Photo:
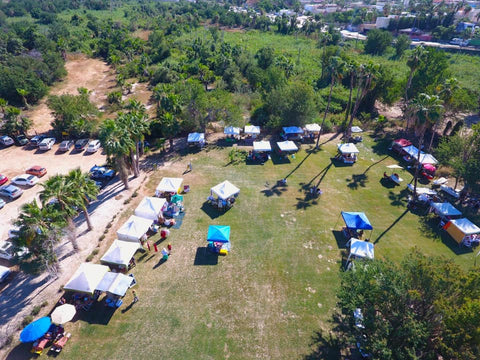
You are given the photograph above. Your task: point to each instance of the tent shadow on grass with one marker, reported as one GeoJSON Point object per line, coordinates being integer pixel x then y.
{"type": "Point", "coordinates": [210, 210]}
{"type": "Point", "coordinates": [339, 163]}
{"type": "Point", "coordinates": [205, 257]}
{"type": "Point", "coordinates": [279, 160]}
{"type": "Point", "coordinates": [98, 314]}
{"type": "Point", "coordinates": [340, 239]}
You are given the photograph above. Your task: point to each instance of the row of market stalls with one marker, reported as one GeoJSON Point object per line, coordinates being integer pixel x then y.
{"type": "Point", "coordinates": [410, 154]}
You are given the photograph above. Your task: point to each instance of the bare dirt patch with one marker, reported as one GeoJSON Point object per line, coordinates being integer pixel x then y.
{"type": "Point", "coordinates": [142, 34]}
{"type": "Point", "coordinates": [92, 74]}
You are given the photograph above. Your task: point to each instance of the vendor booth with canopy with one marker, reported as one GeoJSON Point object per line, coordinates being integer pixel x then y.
{"type": "Point", "coordinates": [116, 286]}
{"type": "Point", "coordinates": [359, 250]}
{"type": "Point", "coordinates": [151, 208]}
{"type": "Point", "coordinates": [355, 224]}
{"type": "Point", "coordinates": [286, 148]}
{"type": "Point", "coordinates": [347, 153]}
{"type": "Point", "coordinates": [196, 139]}
{"type": "Point", "coordinates": [312, 131]}
{"type": "Point", "coordinates": [292, 133]}
{"type": "Point", "coordinates": [86, 278]}
{"type": "Point", "coordinates": [218, 238]}
{"type": "Point", "coordinates": [169, 186]}
{"type": "Point", "coordinates": [261, 151]}
{"type": "Point", "coordinates": [134, 229]}
{"type": "Point", "coordinates": [463, 231]}
{"type": "Point", "coordinates": [445, 210]}
{"type": "Point", "coordinates": [398, 146]}
{"type": "Point", "coordinates": [232, 132]}
{"type": "Point", "coordinates": [120, 254]}
{"type": "Point", "coordinates": [356, 130]}
{"type": "Point", "coordinates": [252, 131]}
{"type": "Point", "coordinates": [223, 195]}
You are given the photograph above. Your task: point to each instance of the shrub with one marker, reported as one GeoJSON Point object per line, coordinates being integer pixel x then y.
{"type": "Point", "coordinates": [35, 310]}
{"type": "Point", "coordinates": [101, 238]}
{"type": "Point", "coordinates": [27, 320]}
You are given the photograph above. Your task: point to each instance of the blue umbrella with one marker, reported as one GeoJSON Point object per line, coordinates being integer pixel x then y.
{"type": "Point", "coordinates": [35, 330]}
{"type": "Point", "coordinates": [218, 233]}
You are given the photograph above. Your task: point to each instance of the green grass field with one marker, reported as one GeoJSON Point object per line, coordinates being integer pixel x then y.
{"type": "Point", "coordinates": [276, 288]}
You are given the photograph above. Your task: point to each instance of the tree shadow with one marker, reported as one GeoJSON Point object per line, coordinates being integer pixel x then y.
{"type": "Point", "coordinates": [400, 199]}
{"type": "Point", "coordinates": [309, 152]}
{"type": "Point", "coordinates": [382, 146]}
{"type": "Point", "coordinates": [375, 163]}
{"type": "Point", "coordinates": [204, 257]}
{"type": "Point", "coordinates": [324, 347]}
{"type": "Point", "coordinates": [276, 189]}
{"type": "Point", "coordinates": [357, 180]}
{"type": "Point", "coordinates": [306, 202]}
{"type": "Point", "coordinates": [210, 210]}
{"type": "Point", "coordinates": [390, 227]}
{"type": "Point", "coordinates": [311, 199]}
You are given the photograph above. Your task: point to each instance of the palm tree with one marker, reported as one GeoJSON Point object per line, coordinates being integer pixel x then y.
{"type": "Point", "coordinates": [15, 124]}
{"type": "Point", "coordinates": [350, 69]}
{"type": "Point", "coordinates": [23, 93]}
{"type": "Point", "coordinates": [3, 104]}
{"type": "Point", "coordinates": [117, 144]}
{"type": "Point", "coordinates": [336, 68]}
{"type": "Point", "coordinates": [37, 225]}
{"type": "Point", "coordinates": [414, 61]}
{"type": "Point", "coordinates": [425, 110]}
{"type": "Point", "coordinates": [83, 191]}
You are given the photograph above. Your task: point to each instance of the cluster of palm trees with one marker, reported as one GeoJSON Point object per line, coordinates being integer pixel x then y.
{"type": "Point", "coordinates": [122, 139]}
{"type": "Point", "coordinates": [41, 226]}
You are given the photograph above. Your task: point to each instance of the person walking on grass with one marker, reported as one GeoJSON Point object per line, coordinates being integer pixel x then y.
{"type": "Point", "coordinates": [135, 297]}
{"type": "Point", "coordinates": [189, 167]}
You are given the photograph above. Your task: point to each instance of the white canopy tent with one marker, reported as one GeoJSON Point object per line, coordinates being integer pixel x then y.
{"type": "Point", "coordinates": [261, 146]}
{"type": "Point", "coordinates": [445, 209]}
{"type": "Point", "coordinates": [171, 185]}
{"type": "Point", "coordinates": [312, 128]}
{"type": "Point", "coordinates": [115, 283]}
{"type": "Point", "coordinates": [194, 138]}
{"type": "Point", "coordinates": [422, 190]}
{"type": "Point", "coordinates": [86, 278]}
{"type": "Point", "coordinates": [225, 190]}
{"type": "Point", "coordinates": [356, 129]}
{"type": "Point", "coordinates": [231, 130]}
{"type": "Point", "coordinates": [362, 249]}
{"type": "Point", "coordinates": [252, 130]}
{"type": "Point", "coordinates": [287, 146]}
{"type": "Point", "coordinates": [151, 208]}
{"type": "Point", "coordinates": [348, 148]}
{"type": "Point", "coordinates": [120, 253]}
{"type": "Point", "coordinates": [134, 228]}
{"type": "Point", "coordinates": [462, 230]}
{"type": "Point", "coordinates": [427, 159]}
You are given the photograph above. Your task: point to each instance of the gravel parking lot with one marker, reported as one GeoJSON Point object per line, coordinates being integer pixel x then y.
{"type": "Point", "coordinates": [15, 160]}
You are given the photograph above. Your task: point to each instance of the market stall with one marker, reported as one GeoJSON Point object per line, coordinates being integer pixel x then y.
{"type": "Point", "coordinates": [120, 254]}
{"type": "Point", "coordinates": [86, 278]}
{"type": "Point", "coordinates": [355, 224]}
{"type": "Point", "coordinates": [445, 210]}
{"type": "Point", "coordinates": [357, 137]}
{"type": "Point", "coordinates": [399, 145]}
{"type": "Point", "coordinates": [223, 195]}
{"type": "Point", "coordinates": [312, 131]}
{"type": "Point", "coordinates": [360, 249]}
{"type": "Point", "coordinates": [252, 131]}
{"type": "Point", "coordinates": [463, 231]}
{"type": "Point", "coordinates": [286, 148]}
{"type": "Point", "coordinates": [347, 153]}
{"type": "Point", "coordinates": [169, 186]}
{"type": "Point", "coordinates": [261, 151]}
{"type": "Point", "coordinates": [232, 132]}
{"type": "Point", "coordinates": [218, 238]}
{"type": "Point", "coordinates": [293, 133]}
{"type": "Point", "coordinates": [196, 139]}
{"type": "Point", "coordinates": [134, 229]}
{"type": "Point", "coordinates": [116, 286]}
{"type": "Point", "coordinates": [151, 208]}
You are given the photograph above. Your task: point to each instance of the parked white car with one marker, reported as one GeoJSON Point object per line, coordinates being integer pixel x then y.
{"type": "Point", "coordinates": [6, 140]}
{"type": "Point", "coordinates": [2, 203]}
{"type": "Point", "coordinates": [4, 273]}
{"type": "Point", "coordinates": [25, 180]}
{"type": "Point", "coordinates": [46, 144]}
{"type": "Point", "coordinates": [93, 146]}
{"type": "Point", "coordinates": [7, 250]}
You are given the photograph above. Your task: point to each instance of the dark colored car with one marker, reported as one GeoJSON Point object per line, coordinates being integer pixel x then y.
{"type": "Point", "coordinates": [21, 140]}
{"type": "Point", "coordinates": [81, 144]}
{"type": "Point", "coordinates": [36, 140]}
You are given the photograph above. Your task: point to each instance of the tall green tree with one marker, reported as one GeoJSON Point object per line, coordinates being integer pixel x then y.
{"type": "Point", "coordinates": [378, 41]}
{"type": "Point", "coordinates": [414, 60]}
{"type": "Point", "coordinates": [425, 110]}
{"type": "Point", "coordinates": [402, 43]}
{"type": "Point", "coordinates": [15, 124]}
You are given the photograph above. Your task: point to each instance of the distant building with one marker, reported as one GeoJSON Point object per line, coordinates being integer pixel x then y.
{"type": "Point", "coordinates": [416, 34]}
{"type": "Point", "coordinates": [462, 26]}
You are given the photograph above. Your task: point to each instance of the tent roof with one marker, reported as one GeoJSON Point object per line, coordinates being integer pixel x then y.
{"type": "Point", "coordinates": [225, 190]}
{"type": "Point", "coordinates": [403, 142]}
{"type": "Point", "coordinates": [251, 129]}
{"type": "Point", "coordinates": [356, 129]}
{"type": "Point", "coordinates": [262, 146]}
{"type": "Point", "coordinates": [356, 220]}
{"type": "Point", "coordinates": [115, 283]}
{"type": "Point", "coordinates": [120, 252]}
{"type": "Point", "coordinates": [312, 127]}
{"type": "Point", "coordinates": [362, 248]}
{"type": "Point", "coordinates": [348, 148]}
{"type": "Point", "coordinates": [86, 278]}
{"type": "Point", "coordinates": [412, 151]}
{"type": "Point", "coordinates": [230, 130]}
{"type": "Point", "coordinates": [293, 130]}
{"type": "Point", "coordinates": [422, 190]}
{"type": "Point", "coordinates": [134, 228]}
{"type": "Point", "coordinates": [195, 137]}
{"type": "Point", "coordinates": [428, 159]}
{"type": "Point", "coordinates": [287, 146]}
{"type": "Point", "coordinates": [218, 233]}
{"type": "Point", "coordinates": [446, 209]}
{"type": "Point", "coordinates": [466, 226]}
{"type": "Point", "coordinates": [169, 184]}
{"type": "Point", "coordinates": [150, 207]}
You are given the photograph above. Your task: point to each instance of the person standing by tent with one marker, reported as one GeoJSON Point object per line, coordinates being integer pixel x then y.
{"type": "Point", "coordinates": [189, 167]}
{"type": "Point", "coordinates": [135, 297]}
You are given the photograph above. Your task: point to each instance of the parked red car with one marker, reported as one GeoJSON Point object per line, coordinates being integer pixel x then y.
{"type": "Point", "coordinates": [36, 170]}
{"type": "Point", "coordinates": [3, 179]}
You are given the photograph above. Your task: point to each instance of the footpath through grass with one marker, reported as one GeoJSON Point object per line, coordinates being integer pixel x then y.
{"type": "Point", "coordinates": [276, 288]}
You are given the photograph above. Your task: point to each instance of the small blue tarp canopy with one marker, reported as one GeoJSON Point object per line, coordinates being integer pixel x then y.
{"type": "Point", "coordinates": [356, 220]}
{"type": "Point", "coordinates": [292, 130]}
{"type": "Point", "coordinates": [35, 330]}
{"type": "Point", "coordinates": [218, 233]}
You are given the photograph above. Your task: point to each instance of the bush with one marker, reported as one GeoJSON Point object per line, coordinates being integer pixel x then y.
{"type": "Point", "coordinates": [89, 258]}
{"type": "Point", "coordinates": [95, 252]}
{"type": "Point", "coordinates": [44, 304]}
{"type": "Point", "coordinates": [35, 310]}
{"type": "Point", "coordinates": [236, 156]}
{"type": "Point", "coordinates": [101, 238]}
{"type": "Point", "coordinates": [27, 320]}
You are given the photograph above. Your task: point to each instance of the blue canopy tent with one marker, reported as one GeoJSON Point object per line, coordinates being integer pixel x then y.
{"type": "Point", "coordinates": [294, 132]}
{"type": "Point", "coordinates": [35, 330]}
{"type": "Point", "coordinates": [218, 238]}
{"type": "Point", "coordinates": [355, 221]}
